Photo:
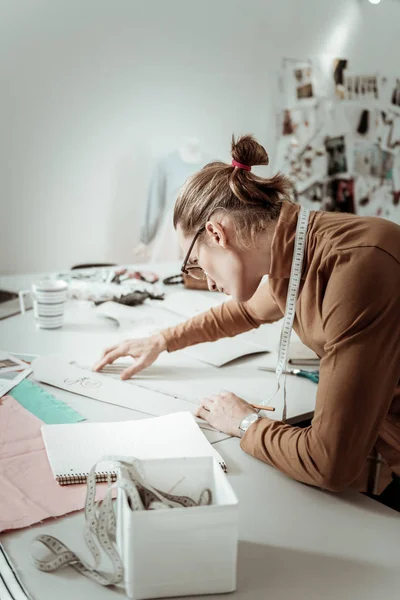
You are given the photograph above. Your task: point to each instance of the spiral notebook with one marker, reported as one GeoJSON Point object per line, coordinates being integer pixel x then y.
{"type": "Point", "coordinates": [73, 449]}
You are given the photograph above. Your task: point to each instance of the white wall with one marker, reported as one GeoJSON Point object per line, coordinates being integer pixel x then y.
{"type": "Point", "coordinates": [92, 92]}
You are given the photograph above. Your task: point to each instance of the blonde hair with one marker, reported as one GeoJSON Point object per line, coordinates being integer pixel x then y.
{"type": "Point", "coordinates": [253, 201]}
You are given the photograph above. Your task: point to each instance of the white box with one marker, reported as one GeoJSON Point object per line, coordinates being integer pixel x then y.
{"type": "Point", "coordinates": [180, 551]}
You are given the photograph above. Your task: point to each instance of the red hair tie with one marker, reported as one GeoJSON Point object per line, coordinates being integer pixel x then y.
{"type": "Point", "coordinates": [239, 165]}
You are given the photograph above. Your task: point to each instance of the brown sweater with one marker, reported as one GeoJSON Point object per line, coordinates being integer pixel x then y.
{"type": "Point", "coordinates": [348, 312]}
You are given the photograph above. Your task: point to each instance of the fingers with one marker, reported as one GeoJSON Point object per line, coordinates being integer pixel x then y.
{"type": "Point", "coordinates": [110, 357]}
{"type": "Point", "coordinates": [97, 367]}
{"type": "Point", "coordinates": [136, 368]}
{"type": "Point", "coordinates": [207, 403]}
{"type": "Point", "coordinates": [202, 413]}
{"type": "Point", "coordinates": [109, 349]}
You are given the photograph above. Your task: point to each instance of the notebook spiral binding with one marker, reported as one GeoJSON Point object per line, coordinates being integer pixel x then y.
{"type": "Point", "coordinates": [101, 477]}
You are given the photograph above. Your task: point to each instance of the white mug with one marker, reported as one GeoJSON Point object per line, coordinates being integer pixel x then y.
{"type": "Point", "coordinates": [49, 297]}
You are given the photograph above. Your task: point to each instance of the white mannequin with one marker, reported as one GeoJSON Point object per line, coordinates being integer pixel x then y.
{"type": "Point", "coordinates": [176, 167]}
{"type": "Point", "coordinates": [190, 150]}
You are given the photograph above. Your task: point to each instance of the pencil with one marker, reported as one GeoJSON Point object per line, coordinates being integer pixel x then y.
{"type": "Point", "coordinates": [261, 407]}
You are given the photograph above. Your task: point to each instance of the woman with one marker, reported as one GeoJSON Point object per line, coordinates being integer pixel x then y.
{"type": "Point", "coordinates": [236, 227]}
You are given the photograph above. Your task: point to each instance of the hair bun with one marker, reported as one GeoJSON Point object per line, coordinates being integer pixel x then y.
{"type": "Point", "coordinates": [248, 151]}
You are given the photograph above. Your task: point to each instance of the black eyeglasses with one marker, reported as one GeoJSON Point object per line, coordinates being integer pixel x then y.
{"type": "Point", "coordinates": [194, 271]}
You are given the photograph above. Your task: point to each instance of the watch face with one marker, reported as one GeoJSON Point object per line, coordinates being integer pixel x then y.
{"type": "Point", "coordinates": [247, 421]}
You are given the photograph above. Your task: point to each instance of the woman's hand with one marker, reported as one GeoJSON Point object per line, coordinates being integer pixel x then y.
{"type": "Point", "coordinates": [145, 351]}
{"type": "Point", "coordinates": [225, 412]}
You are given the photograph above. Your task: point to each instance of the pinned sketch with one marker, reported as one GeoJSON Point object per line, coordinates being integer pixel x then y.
{"type": "Point", "coordinates": [339, 67]}
{"type": "Point", "coordinates": [361, 87]}
{"type": "Point", "coordinates": [337, 155]}
{"type": "Point", "coordinates": [366, 160]}
{"type": "Point", "coordinates": [313, 196]}
{"type": "Point", "coordinates": [298, 83]}
{"type": "Point", "coordinates": [374, 199]}
{"type": "Point", "coordinates": [344, 195]}
{"type": "Point", "coordinates": [395, 98]}
{"type": "Point", "coordinates": [371, 161]}
{"type": "Point", "coordinates": [386, 166]}
{"type": "Point", "coordinates": [388, 131]}
{"type": "Point", "coordinates": [304, 86]}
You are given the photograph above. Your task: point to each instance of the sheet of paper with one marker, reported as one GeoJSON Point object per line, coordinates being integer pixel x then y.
{"type": "Point", "coordinates": [223, 351]}
{"type": "Point", "coordinates": [195, 381]}
{"type": "Point", "coordinates": [10, 363]}
{"type": "Point", "coordinates": [190, 303]}
{"type": "Point", "coordinates": [10, 379]}
{"type": "Point", "coordinates": [138, 321]}
{"type": "Point", "coordinates": [145, 314]}
{"type": "Point", "coordinates": [61, 372]}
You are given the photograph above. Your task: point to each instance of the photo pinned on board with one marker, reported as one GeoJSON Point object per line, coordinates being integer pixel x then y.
{"type": "Point", "coordinates": [339, 196]}
{"type": "Point", "coordinates": [396, 177]}
{"type": "Point", "coordinates": [304, 86]}
{"type": "Point", "coordinates": [371, 161]}
{"type": "Point", "coordinates": [339, 67]}
{"type": "Point", "coordinates": [299, 123]}
{"type": "Point", "coordinates": [388, 131]}
{"type": "Point", "coordinates": [344, 197]}
{"type": "Point", "coordinates": [386, 166]}
{"type": "Point", "coordinates": [312, 196]}
{"type": "Point", "coordinates": [307, 167]}
{"type": "Point", "coordinates": [298, 83]}
{"type": "Point", "coordinates": [361, 87]}
{"type": "Point", "coordinates": [389, 93]}
{"type": "Point", "coordinates": [337, 155]}
{"type": "Point", "coordinates": [366, 159]}
{"type": "Point", "coordinates": [362, 191]}
{"type": "Point", "coordinates": [377, 201]}
{"type": "Point", "coordinates": [395, 98]}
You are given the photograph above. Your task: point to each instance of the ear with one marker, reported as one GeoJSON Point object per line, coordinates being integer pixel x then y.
{"type": "Point", "coordinates": [217, 233]}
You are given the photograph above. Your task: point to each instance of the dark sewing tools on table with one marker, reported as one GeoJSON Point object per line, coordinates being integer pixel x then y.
{"type": "Point", "coordinates": [133, 298]}
{"type": "Point", "coordinates": [124, 274]}
{"type": "Point", "coordinates": [311, 375]}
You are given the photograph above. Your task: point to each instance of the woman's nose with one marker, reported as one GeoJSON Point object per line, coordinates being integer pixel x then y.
{"type": "Point", "coordinates": [212, 286]}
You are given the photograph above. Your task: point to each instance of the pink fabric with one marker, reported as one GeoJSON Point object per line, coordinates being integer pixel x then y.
{"type": "Point", "coordinates": [28, 491]}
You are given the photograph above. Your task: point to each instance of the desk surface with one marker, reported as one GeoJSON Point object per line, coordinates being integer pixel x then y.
{"type": "Point", "coordinates": [295, 541]}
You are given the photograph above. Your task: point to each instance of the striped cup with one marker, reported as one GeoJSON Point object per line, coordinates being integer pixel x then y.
{"type": "Point", "coordinates": [49, 297]}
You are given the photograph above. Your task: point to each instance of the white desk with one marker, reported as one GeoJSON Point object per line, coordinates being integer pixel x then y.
{"type": "Point", "coordinates": [86, 334]}
{"type": "Point", "coordinates": [296, 541]}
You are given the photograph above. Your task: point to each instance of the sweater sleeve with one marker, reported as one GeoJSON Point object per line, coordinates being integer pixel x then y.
{"type": "Point", "coordinates": [358, 376]}
{"type": "Point", "coordinates": [226, 320]}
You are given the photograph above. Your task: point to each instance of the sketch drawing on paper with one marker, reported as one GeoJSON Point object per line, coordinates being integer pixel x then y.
{"type": "Point", "coordinates": [85, 382]}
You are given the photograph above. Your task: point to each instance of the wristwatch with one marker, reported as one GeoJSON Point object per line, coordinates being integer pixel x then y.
{"type": "Point", "coordinates": [247, 422]}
